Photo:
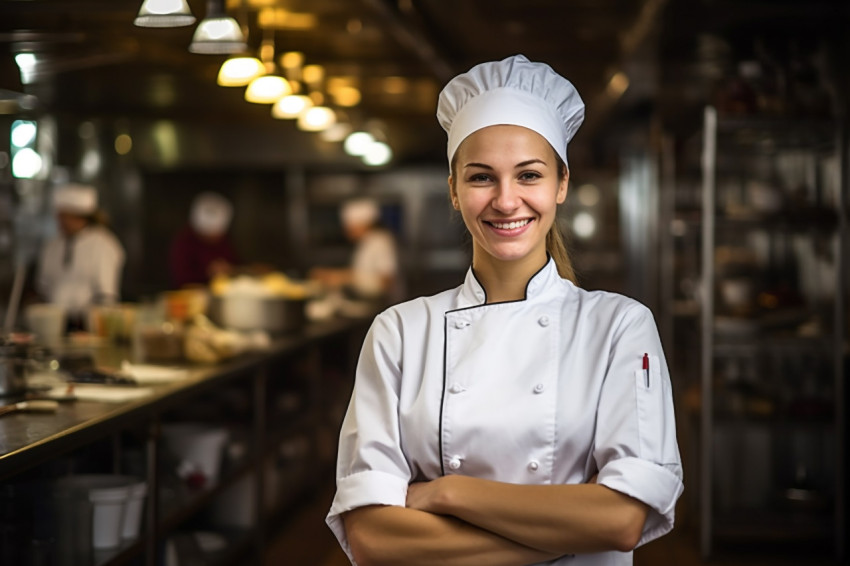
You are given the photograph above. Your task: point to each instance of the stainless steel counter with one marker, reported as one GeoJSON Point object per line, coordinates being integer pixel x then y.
{"type": "Point", "coordinates": [27, 439]}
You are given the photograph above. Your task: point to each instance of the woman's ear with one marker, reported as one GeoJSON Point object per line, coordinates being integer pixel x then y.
{"type": "Point", "coordinates": [453, 194]}
{"type": "Point", "coordinates": [563, 186]}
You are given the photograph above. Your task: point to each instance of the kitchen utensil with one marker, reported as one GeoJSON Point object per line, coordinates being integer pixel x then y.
{"type": "Point", "coordinates": [30, 406]}
{"type": "Point", "coordinates": [103, 377]}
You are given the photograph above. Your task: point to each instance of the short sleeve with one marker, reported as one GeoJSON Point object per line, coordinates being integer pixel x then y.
{"type": "Point", "coordinates": [371, 468]}
{"type": "Point", "coordinates": [635, 448]}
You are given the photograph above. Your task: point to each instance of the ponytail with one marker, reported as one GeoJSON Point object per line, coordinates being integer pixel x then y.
{"type": "Point", "coordinates": [555, 244]}
{"type": "Point", "coordinates": [558, 250]}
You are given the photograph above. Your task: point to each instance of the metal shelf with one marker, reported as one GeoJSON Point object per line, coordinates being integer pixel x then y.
{"type": "Point", "coordinates": [736, 152]}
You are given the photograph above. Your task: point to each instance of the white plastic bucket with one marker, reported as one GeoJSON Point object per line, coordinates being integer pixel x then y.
{"type": "Point", "coordinates": [108, 514]}
{"type": "Point", "coordinates": [201, 445]}
{"type": "Point", "coordinates": [102, 500]}
{"type": "Point", "coordinates": [135, 504]}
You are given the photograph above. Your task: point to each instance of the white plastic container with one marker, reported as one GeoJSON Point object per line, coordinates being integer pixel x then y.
{"type": "Point", "coordinates": [46, 321]}
{"type": "Point", "coordinates": [101, 500]}
{"type": "Point", "coordinates": [198, 444]}
{"type": "Point", "coordinates": [107, 515]}
{"type": "Point", "coordinates": [135, 504]}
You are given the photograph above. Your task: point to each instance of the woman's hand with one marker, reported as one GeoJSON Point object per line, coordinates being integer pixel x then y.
{"type": "Point", "coordinates": [428, 495]}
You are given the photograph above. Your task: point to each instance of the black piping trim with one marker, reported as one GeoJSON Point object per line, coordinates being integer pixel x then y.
{"type": "Point", "coordinates": [443, 395]}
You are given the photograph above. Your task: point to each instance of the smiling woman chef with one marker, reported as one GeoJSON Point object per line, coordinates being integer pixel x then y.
{"type": "Point", "coordinates": [516, 419]}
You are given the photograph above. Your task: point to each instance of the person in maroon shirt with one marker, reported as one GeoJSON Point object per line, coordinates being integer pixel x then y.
{"type": "Point", "coordinates": [202, 249]}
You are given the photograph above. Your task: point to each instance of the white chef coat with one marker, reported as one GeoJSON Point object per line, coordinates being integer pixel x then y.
{"type": "Point", "coordinates": [545, 390]}
{"type": "Point", "coordinates": [93, 274]}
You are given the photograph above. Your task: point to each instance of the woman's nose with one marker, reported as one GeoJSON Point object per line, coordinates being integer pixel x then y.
{"type": "Point", "coordinates": [506, 198]}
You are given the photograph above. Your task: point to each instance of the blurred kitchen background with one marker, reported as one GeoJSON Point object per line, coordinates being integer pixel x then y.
{"type": "Point", "coordinates": [709, 181]}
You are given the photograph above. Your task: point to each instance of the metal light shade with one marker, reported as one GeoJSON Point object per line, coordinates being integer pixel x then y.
{"type": "Point", "coordinates": [164, 14]}
{"type": "Point", "coordinates": [217, 35]}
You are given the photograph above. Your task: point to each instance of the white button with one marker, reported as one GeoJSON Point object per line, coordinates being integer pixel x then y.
{"type": "Point", "coordinates": [533, 465]}
{"type": "Point", "coordinates": [456, 388]}
{"type": "Point", "coordinates": [454, 463]}
{"type": "Point", "coordinates": [539, 388]}
{"type": "Point", "coordinates": [543, 320]}
{"type": "Point", "coordinates": [461, 324]}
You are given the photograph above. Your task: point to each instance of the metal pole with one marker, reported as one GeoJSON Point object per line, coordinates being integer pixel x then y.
{"type": "Point", "coordinates": [709, 155]}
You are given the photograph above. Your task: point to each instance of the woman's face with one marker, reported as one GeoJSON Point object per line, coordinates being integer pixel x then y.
{"type": "Point", "coordinates": [506, 185]}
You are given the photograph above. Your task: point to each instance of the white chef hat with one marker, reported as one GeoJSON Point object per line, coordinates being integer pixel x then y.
{"type": "Point", "coordinates": [514, 91]}
{"type": "Point", "coordinates": [74, 198]}
{"type": "Point", "coordinates": [211, 214]}
{"type": "Point", "coordinates": [360, 212]}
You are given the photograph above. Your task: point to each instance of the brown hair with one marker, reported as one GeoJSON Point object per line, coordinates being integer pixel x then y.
{"type": "Point", "coordinates": [555, 243]}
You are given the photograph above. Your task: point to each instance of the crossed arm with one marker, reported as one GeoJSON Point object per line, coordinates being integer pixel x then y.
{"type": "Point", "coordinates": [458, 520]}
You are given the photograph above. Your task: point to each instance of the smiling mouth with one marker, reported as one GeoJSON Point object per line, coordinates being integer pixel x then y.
{"type": "Point", "coordinates": [509, 225]}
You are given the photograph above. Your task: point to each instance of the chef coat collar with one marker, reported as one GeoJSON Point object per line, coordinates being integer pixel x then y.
{"type": "Point", "coordinates": [473, 294]}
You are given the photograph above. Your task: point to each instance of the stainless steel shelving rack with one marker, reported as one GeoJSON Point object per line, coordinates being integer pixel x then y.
{"type": "Point", "coordinates": [772, 466]}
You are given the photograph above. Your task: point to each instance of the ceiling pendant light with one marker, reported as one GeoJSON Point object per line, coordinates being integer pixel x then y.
{"type": "Point", "coordinates": [357, 143]}
{"type": "Point", "coordinates": [316, 119]}
{"type": "Point", "coordinates": [378, 153]}
{"type": "Point", "coordinates": [239, 71]}
{"type": "Point", "coordinates": [291, 106]}
{"type": "Point", "coordinates": [217, 33]}
{"type": "Point", "coordinates": [267, 89]}
{"type": "Point", "coordinates": [164, 14]}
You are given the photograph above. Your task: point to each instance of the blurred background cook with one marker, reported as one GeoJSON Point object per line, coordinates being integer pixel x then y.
{"type": "Point", "coordinates": [82, 265]}
{"type": "Point", "coordinates": [202, 249]}
{"type": "Point", "coordinates": [373, 272]}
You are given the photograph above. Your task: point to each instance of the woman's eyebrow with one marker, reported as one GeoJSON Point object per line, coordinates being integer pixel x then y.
{"type": "Point", "coordinates": [517, 166]}
{"type": "Point", "coordinates": [529, 162]}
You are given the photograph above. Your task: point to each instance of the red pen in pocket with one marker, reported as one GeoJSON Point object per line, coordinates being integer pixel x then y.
{"type": "Point", "coordinates": [646, 368]}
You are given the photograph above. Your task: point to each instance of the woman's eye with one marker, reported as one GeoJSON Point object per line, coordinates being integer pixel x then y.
{"type": "Point", "coordinates": [530, 176]}
{"type": "Point", "coordinates": [479, 178]}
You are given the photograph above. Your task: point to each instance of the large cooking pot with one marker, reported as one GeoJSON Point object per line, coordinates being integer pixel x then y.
{"type": "Point", "coordinates": [247, 312]}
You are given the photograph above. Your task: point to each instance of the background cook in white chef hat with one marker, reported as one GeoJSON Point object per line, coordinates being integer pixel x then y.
{"type": "Point", "coordinates": [82, 266]}
{"type": "Point", "coordinates": [202, 249]}
{"type": "Point", "coordinates": [211, 214]}
{"type": "Point", "coordinates": [518, 92]}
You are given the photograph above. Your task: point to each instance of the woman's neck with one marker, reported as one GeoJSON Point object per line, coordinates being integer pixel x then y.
{"type": "Point", "coordinates": [506, 280]}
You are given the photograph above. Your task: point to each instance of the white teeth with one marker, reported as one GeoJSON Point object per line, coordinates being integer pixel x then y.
{"type": "Point", "coordinates": [510, 225]}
